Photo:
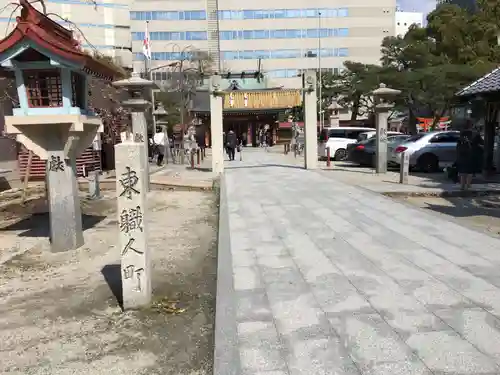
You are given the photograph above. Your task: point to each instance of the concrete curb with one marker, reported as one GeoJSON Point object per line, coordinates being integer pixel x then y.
{"type": "Point", "coordinates": [442, 194]}
{"type": "Point", "coordinates": [226, 353]}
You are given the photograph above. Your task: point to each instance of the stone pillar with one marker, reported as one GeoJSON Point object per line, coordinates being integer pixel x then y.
{"type": "Point", "coordinates": [381, 139]}
{"type": "Point", "coordinates": [140, 127]}
{"type": "Point", "coordinates": [132, 224]}
{"type": "Point", "coordinates": [66, 231]}
{"type": "Point", "coordinates": [136, 87]}
{"type": "Point", "coordinates": [216, 107]}
{"type": "Point", "coordinates": [382, 96]}
{"type": "Point", "coordinates": [311, 121]}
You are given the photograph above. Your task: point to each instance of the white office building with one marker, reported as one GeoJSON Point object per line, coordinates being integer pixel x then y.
{"type": "Point", "coordinates": [285, 37]}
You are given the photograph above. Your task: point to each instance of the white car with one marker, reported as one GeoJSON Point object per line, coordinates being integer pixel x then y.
{"type": "Point", "coordinates": [338, 139]}
{"type": "Point", "coordinates": [429, 152]}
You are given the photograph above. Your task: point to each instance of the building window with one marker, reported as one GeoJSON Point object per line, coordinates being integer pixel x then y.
{"type": "Point", "coordinates": [251, 14]}
{"type": "Point", "coordinates": [165, 35]}
{"type": "Point", "coordinates": [168, 16]}
{"type": "Point", "coordinates": [343, 52]}
{"type": "Point", "coordinates": [282, 34]}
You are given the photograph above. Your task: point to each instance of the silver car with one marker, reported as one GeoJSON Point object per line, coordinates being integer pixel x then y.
{"type": "Point", "coordinates": [429, 152]}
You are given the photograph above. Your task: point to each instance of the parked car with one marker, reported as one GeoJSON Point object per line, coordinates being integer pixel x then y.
{"type": "Point", "coordinates": [371, 134]}
{"type": "Point", "coordinates": [364, 152]}
{"type": "Point", "coordinates": [429, 152]}
{"type": "Point", "coordinates": [337, 140]}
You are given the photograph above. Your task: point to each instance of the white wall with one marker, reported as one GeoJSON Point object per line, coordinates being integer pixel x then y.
{"type": "Point", "coordinates": [403, 21]}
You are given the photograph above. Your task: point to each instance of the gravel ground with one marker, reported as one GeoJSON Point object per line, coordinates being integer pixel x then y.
{"type": "Point", "coordinates": [480, 212]}
{"type": "Point", "coordinates": [58, 314]}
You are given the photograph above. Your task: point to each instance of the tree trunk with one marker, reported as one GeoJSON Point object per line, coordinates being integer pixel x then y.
{"type": "Point", "coordinates": [355, 108]}
{"type": "Point", "coordinates": [412, 121]}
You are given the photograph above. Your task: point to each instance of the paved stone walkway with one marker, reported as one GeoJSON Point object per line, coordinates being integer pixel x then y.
{"type": "Point", "coordinates": [328, 278]}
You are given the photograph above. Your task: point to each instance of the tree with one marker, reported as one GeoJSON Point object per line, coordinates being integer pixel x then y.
{"type": "Point", "coordinates": [351, 88]}
{"type": "Point", "coordinates": [184, 77]}
{"type": "Point", "coordinates": [431, 64]}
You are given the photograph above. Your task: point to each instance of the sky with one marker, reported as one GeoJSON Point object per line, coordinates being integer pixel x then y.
{"type": "Point", "coordinates": [424, 6]}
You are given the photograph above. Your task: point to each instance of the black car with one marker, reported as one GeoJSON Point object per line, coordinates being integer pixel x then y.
{"type": "Point", "coordinates": [363, 153]}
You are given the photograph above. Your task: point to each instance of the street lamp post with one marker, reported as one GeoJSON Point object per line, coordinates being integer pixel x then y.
{"type": "Point", "coordinates": [320, 75]}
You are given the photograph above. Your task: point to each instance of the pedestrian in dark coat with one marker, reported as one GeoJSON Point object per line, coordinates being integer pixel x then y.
{"type": "Point", "coordinates": [231, 143]}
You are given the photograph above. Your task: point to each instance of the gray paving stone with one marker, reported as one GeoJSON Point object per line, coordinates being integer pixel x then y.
{"type": "Point", "coordinates": [331, 279]}
{"type": "Point", "coordinates": [477, 326]}
{"type": "Point", "coordinates": [446, 352]}
{"type": "Point", "coordinates": [371, 342]}
{"type": "Point", "coordinates": [246, 278]}
{"type": "Point", "coordinates": [260, 349]}
{"type": "Point", "coordinates": [253, 305]}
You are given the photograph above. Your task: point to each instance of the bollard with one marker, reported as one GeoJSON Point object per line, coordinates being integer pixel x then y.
{"type": "Point", "coordinates": [328, 160]}
{"type": "Point", "coordinates": [202, 154]}
{"type": "Point", "coordinates": [191, 153]}
{"type": "Point", "coordinates": [204, 151]}
{"type": "Point", "coordinates": [404, 167]}
{"type": "Point", "coordinates": [198, 156]}
{"type": "Point", "coordinates": [284, 149]}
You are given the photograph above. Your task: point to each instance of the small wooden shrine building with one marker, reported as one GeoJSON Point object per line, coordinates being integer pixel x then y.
{"type": "Point", "coordinates": [250, 103]}
{"type": "Point", "coordinates": [33, 56]}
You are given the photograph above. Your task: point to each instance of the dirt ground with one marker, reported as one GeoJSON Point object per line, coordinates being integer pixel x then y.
{"type": "Point", "coordinates": [59, 313]}
{"type": "Point", "coordinates": [480, 212]}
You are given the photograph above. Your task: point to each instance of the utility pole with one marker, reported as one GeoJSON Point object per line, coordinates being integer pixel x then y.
{"type": "Point", "coordinates": [320, 78]}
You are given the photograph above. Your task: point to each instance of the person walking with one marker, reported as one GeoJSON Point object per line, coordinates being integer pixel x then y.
{"type": "Point", "coordinates": [466, 160]}
{"type": "Point", "coordinates": [231, 143]}
{"type": "Point", "coordinates": [159, 143]}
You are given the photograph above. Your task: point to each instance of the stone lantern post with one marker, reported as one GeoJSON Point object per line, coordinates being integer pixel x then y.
{"type": "Point", "coordinates": [136, 87]}
{"type": "Point", "coordinates": [160, 113]}
{"type": "Point", "coordinates": [334, 109]}
{"type": "Point", "coordinates": [383, 98]}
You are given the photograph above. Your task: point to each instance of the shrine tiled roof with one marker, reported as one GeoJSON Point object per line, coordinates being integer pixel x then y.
{"type": "Point", "coordinates": [39, 30]}
{"type": "Point", "coordinates": [487, 84]}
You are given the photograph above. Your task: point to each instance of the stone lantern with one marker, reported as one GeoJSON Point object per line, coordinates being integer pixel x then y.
{"type": "Point", "coordinates": [53, 119]}
{"type": "Point", "coordinates": [384, 98]}
{"type": "Point", "coordinates": [334, 109]}
{"type": "Point", "coordinates": [137, 88]}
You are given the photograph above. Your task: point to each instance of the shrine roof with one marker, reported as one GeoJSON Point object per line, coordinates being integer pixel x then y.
{"type": "Point", "coordinates": [40, 31]}
{"type": "Point", "coordinates": [489, 83]}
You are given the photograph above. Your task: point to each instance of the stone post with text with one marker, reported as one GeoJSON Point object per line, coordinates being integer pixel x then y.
{"type": "Point", "coordinates": [132, 224]}
{"type": "Point", "coordinates": [383, 96]}
{"type": "Point", "coordinates": [136, 87]}
{"type": "Point", "coordinates": [216, 117]}
{"type": "Point", "coordinates": [311, 121]}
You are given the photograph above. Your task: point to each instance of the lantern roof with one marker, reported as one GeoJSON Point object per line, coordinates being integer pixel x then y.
{"type": "Point", "coordinates": [37, 31]}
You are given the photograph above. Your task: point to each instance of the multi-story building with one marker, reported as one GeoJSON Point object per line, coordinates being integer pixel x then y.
{"type": "Point", "coordinates": [283, 37]}
{"type": "Point", "coordinates": [102, 26]}
{"type": "Point", "coordinates": [403, 21]}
